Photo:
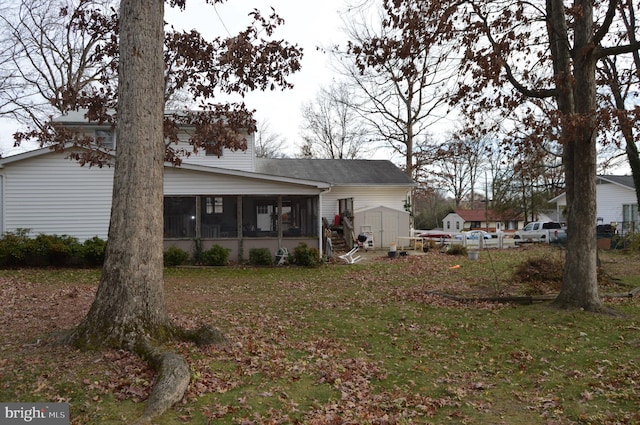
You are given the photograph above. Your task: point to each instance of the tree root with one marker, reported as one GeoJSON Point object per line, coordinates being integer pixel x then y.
{"type": "Point", "coordinates": [516, 300]}
{"type": "Point", "coordinates": [204, 335]}
{"type": "Point", "coordinates": [173, 379]}
{"type": "Point", "coordinates": [524, 300]}
{"type": "Point", "coordinates": [630, 294]}
{"type": "Point", "coordinates": [173, 371]}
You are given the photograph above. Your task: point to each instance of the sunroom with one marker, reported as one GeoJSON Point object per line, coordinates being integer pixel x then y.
{"type": "Point", "coordinates": [241, 222]}
{"type": "Point", "coordinates": [228, 217]}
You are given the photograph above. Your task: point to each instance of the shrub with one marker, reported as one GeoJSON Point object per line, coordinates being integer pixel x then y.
{"type": "Point", "coordinates": [94, 250]}
{"type": "Point", "coordinates": [305, 256]}
{"type": "Point", "coordinates": [175, 256]}
{"type": "Point", "coordinates": [260, 257]}
{"type": "Point", "coordinates": [618, 242]}
{"type": "Point", "coordinates": [456, 249]}
{"type": "Point", "coordinates": [632, 242]}
{"type": "Point", "coordinates": [14, 247]}
{"type": "Point", "coordinates": [54, 250]}
{"type": "Point", "coordinates": [216, 256]}
{"type": "Point", "coordinates": [17, 249]}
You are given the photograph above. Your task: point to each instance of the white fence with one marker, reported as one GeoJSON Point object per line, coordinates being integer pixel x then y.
{"type": "Point", "coordinates": [473, 239]}
{"type": "Point", "coordinates": [499, 240]}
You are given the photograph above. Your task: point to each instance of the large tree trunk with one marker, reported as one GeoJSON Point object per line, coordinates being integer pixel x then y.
{"type": "Point", "coordinates": [577, 103]}
{"type": "Point", "coordinates": [129, 310]}
{"type": "Point", "coordinates": [130, 302]}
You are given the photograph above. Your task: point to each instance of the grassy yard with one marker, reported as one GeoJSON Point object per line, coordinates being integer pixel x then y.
{"type": "Point", "coordinates": [344, 344]}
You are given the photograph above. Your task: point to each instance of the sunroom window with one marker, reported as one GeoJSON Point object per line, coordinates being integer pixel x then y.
{"type": "Point", "coordinates": [180, 217]}
{"type": "Point", "coordinates": [219, 216]}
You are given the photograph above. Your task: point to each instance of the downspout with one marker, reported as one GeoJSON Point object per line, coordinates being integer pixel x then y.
{"type": "Point", "coordinates": [279, 221]}
{"type": "Point", "coordinates": [320, 232]}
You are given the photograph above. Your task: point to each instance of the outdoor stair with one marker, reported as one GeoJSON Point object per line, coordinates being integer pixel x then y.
{"type": "Point", "coordinates": [338, 243]}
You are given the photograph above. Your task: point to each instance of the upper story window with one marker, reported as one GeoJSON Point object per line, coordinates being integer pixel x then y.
{"type": "Point", "coordinates": [213, 149]}
{"type": "Point", "coordinates": [106, 138]}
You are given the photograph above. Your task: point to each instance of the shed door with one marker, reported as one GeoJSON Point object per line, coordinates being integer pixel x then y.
{"type": "Point", "coordinates": [390, 224]}
{"type": "Point", "coordinates": [374, 220]}
{"type": "Point", "coordinates": [384, 225]}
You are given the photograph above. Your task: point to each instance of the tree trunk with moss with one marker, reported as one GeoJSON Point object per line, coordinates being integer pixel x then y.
{"type": "Point", "coordinates": [129, 310]}
{"type": "Point", "coordinates": [130, 302]}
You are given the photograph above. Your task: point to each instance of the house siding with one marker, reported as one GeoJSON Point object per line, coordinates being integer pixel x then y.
{"type": "Point", "coordinates": [364, 197]}
{"type": "Point", "coordinates": [610, 198]}
{"type": "Point", "coordinates": [609, 201]}
{"type": "Point", "coordinates": [54, 195]}
{"type": "Point", "coordinates": [453, 219]}
{"type": "Point", "coordinates": [47, 193]}
{"type": "Point", "coordinates": [233, 160]}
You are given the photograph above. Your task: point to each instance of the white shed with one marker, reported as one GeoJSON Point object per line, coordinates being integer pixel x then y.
{"type": "Point", "coordinates": [386, 224]}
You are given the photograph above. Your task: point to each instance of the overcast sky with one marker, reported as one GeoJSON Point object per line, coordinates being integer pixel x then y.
{"type": "Point", "coordinates": [308, 24]}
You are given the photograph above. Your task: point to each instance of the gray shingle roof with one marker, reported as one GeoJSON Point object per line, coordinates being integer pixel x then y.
{"type": "Point", "coordinates": [621, 180]}
{"type": "Point", "coordinates": [344, 172]}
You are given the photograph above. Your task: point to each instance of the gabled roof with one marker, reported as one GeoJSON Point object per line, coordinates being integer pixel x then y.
{"type": "Point", "coordinates": [624, 181]}
{"type": "Point", "coordinates": [24, 155]}
{"type": "Point", "coordinates": [343, 172]}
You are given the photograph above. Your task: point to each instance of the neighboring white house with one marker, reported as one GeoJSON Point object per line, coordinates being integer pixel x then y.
{"type": "Point", "coordinates": [616, 203]}
{"type": "Point", "coordinates": [236, 200]}
{"type": "Point", "coordinates": [464, 220]}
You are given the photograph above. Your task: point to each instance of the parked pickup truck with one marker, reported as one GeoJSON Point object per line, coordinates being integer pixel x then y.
{"type": "Point", "coordinates": [541, 231]}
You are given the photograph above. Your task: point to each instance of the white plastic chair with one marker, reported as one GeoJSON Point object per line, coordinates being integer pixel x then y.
{"type": "Point", "coordinates": [349, 256]}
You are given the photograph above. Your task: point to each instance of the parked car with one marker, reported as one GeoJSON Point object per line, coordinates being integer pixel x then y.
{"type": "Point", "coordinates": [541, 231]}
{"type": "Point", "coordinates": [474, 235]}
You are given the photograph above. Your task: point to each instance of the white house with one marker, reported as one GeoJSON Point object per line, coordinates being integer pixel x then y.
{"type": "Point", "coordinates": [616, 203]}
{"type": "Point", "coordinates": [235, 200]}
{"type": "Point", "coordinates": [465, 220]}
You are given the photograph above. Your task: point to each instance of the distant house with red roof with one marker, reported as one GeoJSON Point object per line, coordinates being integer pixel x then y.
{"type": "Point", "coordinates": [489, 220]}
